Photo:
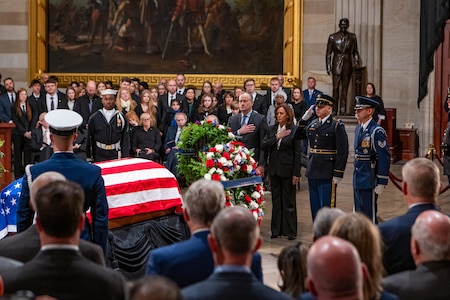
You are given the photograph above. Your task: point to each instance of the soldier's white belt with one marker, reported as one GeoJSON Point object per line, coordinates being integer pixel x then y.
{"type": "Point", "coordinates": [322, 151]}
{"type": "Point", "coordinates": [362, 157]}
{"type": "Point", "coordinates": [115, 146]}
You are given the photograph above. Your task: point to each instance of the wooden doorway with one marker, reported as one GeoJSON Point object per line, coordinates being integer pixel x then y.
{"type": "Point", "coordinates": [442, 59]}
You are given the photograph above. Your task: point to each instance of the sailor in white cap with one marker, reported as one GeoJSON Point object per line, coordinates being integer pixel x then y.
{"type": "Point", "coordinates": [63, 132]}
{"type": "Point", "coordinates": [108, 136]}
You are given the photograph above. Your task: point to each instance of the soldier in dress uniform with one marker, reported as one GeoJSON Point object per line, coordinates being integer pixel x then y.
{"type": "Point", "coordinates": [446, 151]}
{"type": "Point", "coordinates": [372, 159]}
{"type": "Point", "coordinates": [108, 136]}
{"type": "Point", "coordinates": [327, 157]}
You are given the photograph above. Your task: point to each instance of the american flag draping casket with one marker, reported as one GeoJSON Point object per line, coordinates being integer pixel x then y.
{"type": "Point", "coordinates": [134, 187]}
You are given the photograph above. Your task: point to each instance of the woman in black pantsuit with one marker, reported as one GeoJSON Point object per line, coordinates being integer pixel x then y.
{"type": "Point", "coordinates": [283, 145]}
{"type": "Point", "coordinates": [21, 115]}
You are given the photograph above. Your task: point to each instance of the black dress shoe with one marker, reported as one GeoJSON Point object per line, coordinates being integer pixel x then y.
{"type": "Point", "coordinates": [291, 237]}
{"type": "Point", "coordinates": [274, 236]}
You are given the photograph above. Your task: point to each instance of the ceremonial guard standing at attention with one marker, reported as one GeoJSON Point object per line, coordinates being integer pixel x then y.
{"type": "Point", "coordinates": [372, 159]}
{"type": "Point", "coordinates": [327, 156]}
{"type": "Point", "coordinates": [108, 136]}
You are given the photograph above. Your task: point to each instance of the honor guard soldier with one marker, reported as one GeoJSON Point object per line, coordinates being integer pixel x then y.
{"type": "Point", "coordinates": [446, 151]}
{"type": "Point", "coordinates": [108, 136]}
{"type": "Point", "coordinates": [327, 156]}
{"type": "Point", "coordinates": [63, 125]}
{"type": "Point", "coordinates": [372, 159]}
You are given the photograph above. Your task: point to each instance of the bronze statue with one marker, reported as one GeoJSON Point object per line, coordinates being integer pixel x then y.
{"type": "Point", "coordinates": [343, 47]}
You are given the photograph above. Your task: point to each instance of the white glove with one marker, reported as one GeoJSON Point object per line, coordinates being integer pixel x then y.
{"type": "Point", "coordinates": [336, 180]}
{"type": "Point", "coordinates": [308, 114]}
{"type": "Point", "coordinates": [379, 189]}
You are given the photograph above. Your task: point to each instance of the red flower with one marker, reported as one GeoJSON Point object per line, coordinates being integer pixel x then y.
{"type": "Point", "coordinates": [226, 155]}
{"type": "Point", "coordinates": [225, 169]}
{"type": "Point", "coordinates": [209, 121]}
{"type": "Point", "coordinates": [209, 163]}
{"type": "Point", "coordinates": [248, 199]}
{"type": "Point", "coordinates": [212, 149]}
{"type": "Point", "coordinates": [219, 165]}
{"type": "Point", "coordinates": [244, 168]}
{"type": "Point", "coordinates": [228, 203]}
{"type": "Point", "coordinates": [215, 177]}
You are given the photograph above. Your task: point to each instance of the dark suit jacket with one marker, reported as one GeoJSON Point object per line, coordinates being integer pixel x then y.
{"type": "Point", "coordinates": [284, 161]}
{"type": "Point", "coordinates": [190, 261]}
{"type": "Point", "coordinates": [163, 104]}
{"type": "Point", "coordinates": [89, 177]}
{"type": "Point", "coordinates": [37, 142]}
{"type": "Point", "coordinates": [260, 104]}
{"type": "Point", "coordinates": [231, 285]}
{"type": "Point", "coordinates": [82, 107]}
{"type": "Point", "coordinates": [8, 264]}
{"type": "Point", "coordinates": [255, 139]}
{"type": "Point", "coordinates": [25, 245]}
{"type": "Point", "coordinates": [396, 235]}
{"type": "Point", "coordinates": [311, 100]}
{"type": "Point", "coordinates": [62, 102]}
{"type": "Point", "coordinates": [5, 108]}
{"type": "Point", "coordinates": [66, 274]}
{"type": "Point", "coordinates": [428, 281]}
{"type": "Point", "coordinates": [21, 122]}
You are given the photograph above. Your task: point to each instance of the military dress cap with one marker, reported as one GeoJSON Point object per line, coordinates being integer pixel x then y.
{"type": "Point", "coordinates": [63, 121]}
{"type": "Point", "coordinates": [364, 102]}
{"type": "Point", "coordinates": [323, 100]}
{"type": "Point", "coordinates": [109, 92]}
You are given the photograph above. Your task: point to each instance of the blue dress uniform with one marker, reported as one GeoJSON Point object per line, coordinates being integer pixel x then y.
{"type": "Point", "coordinates": [372, 162]}
{"type": "Point", "coordinates": [74, 169]}
{"type": "Point", "coordinates": [327, 158]}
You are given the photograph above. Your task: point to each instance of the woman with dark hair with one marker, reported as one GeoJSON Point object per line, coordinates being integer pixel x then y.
{"type": "Point", "coordinates": [207, 88]}
{"type": "Point", "coordinates": [72, 95]}
{"type": "Point", "coordinates": [379, 114]}
{"type": "Point", "coordinates": [190, 105]}
{"type": "Point", "coordinates": [283, 147]}
{"type": "Point", "coordinates": [225, 111]}
{"type": "Point", "coordinates": [21, 115]}
{"type": "Point", "coordinates": [292, 267]}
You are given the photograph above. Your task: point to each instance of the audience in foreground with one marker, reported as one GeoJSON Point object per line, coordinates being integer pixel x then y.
{"type": "Point", "coordinates": [292, 267]}
{"type": "Point", "coordinates": [233, 240]}
{"type": "Point", "coordinates": [420, 189]}
{"type": "Point", "coordinates": [59, 270]}
{"type": "Point", "coordinates": [324, 220]}
{"type": "Point", "coordinates": [155, 287]}
{"type": "Point", "coordinates": [430, 248]}
{"type": "Point", "coordinates": [191, 261]}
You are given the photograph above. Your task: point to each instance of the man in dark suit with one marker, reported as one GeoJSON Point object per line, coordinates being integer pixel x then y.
{"type": "Point", "coordinates": [251, 127]}
{"type": "Point", "coordinates": [310, 94]}
{"type": "Point", "coordinates": [328, 155]}
{"type": "Point", "coordinates": [259, 101]}
{"type": "Point", "coordinates": [191, 261]}
{"type": "Point", "coordinates": [88, 104]}
{"type": "Point", "coordinates": [63, 126]}
{"type": "Point", "coordinates": [52, 99]}
{"type": "Point", "coordinates": [33, 99]}
{"type": "Point", "coordinates": [165, 100]}
{"type": "Point", "coordinates": [275, 86]}
{"type": "Point", "coordinates": [420, 189]}
{"type": "Point", "coordinates": [24, 246]}
{"type": "Point", "coordinates": [7, 100]}
{"type": "Point", "coordinates": [430, 248]}
{"type": "Point", "coordinates": [233, 240]}
{"type": "Point", "coordinates": [59, 270]}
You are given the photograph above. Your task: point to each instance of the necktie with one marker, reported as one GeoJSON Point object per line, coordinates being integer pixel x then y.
{"type": "Point", "coordinates": [11, 98]}
{"type": "Point", "coordinates": [361, 130]}
{"type": "Point", "coordinates": [244, 118]}
{"type": "Point", "coordinates": [177, 136]}
{"type": "Point", "coordinates": [24, 111]}
{"type": "Point", "coordinates": [52, 105]}
{"type": "Point", "coordinates": [90, 105]}
{"type": "Point", "coordinates": [310, 95]}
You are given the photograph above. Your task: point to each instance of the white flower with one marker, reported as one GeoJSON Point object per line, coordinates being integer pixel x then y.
{"type": "Point", "coordinates": [219, 171]}
{"type": "Point", "coordinates": [241, 194]}
{"type": "Point", "coordinates": [223, 178]}
{"type": "Point", "coordinates": [256, 195]}
{"type": "Point", "coordinates": [223, 161]}
{"type": "Point", "coordinates": [255, 215]}
{"type": "Point", "coordinates": [221, 127]}
{"type": "Point", "coordinates": [219, 148]}
{"type": "Point", "coordinates": [231, 135]}
{"type": "Point", "coordinates": [212, 170]}
{"type": "Point", "coordinates": [238, 158]}
{"type": "Point", "coordinates": [237, 167]}
{"type": "Point", "coordinates": [210, 155]}
{"type": "Point", "coordinates": [207, 176]}
{"type": "Point", "coordinates": [254, 205]}
{"type": "Point", "coordinates": [249, 169]}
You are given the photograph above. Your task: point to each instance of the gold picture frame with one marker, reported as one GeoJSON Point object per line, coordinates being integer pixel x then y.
{"type": "Point", "coordinates": [292, 53]}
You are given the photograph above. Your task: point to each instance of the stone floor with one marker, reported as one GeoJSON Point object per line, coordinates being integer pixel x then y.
{"type": "Point", "coordinates": [390, 204]}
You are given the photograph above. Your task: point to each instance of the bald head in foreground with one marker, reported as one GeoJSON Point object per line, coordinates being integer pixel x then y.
{"type": "Point", "coordinates": [430, 248]}
{"type": "Point", "coordinates": [334, 269]}
{"type": "Point", "coordinates": [233, 240]}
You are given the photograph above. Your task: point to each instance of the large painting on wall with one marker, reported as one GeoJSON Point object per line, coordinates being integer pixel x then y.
{"type": "Point", "coordinates": [219, 38]}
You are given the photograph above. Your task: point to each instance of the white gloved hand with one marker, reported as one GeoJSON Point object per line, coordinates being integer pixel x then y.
{"type": "Point", "coordinates": [308, 114]}
{"type": "Point", "coordinates": [379, 189]}
{"type": "Point", "coordinates": [336, 180]}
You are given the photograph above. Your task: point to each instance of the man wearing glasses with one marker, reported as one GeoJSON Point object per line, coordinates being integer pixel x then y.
{"type": "Point", "coordinates": [327, 155]}
{"type": "Point", "coordinates": [372, 159]}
